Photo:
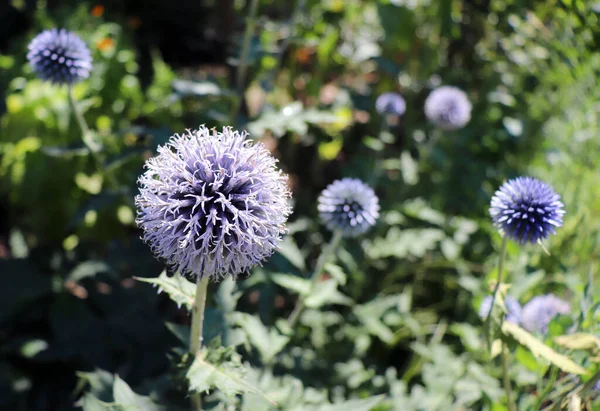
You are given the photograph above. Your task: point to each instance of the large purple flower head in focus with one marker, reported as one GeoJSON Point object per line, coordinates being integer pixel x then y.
{"type": "Point", "coordinates": [526, 210]}
{"type": "Point", "coordinates": [348, 206]}
{"type": "Point", "coordinates": [60, 57]}
{"type": "Point", "coordinates": [513, 309]}
{"type": "Point", "coordinates": [390, 103]}
{"type": "Point", "coordinates": [448, 108]}
{"type": "Point", "coordinates": [540, 310]}
{"type": "Point", "coordinates": [213, 204]}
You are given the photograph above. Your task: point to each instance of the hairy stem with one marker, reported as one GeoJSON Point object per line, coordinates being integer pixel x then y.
{"type": "Point", "coordinates": [323, 259]}
{"type": "Point", "coordinates": [240, 78]}
{"type": "Point", "coordinates": [196, 333]}
{"type": "Point", "coordinates": [488, 321]}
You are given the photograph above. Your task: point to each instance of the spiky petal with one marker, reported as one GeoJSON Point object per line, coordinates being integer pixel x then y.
{"type": "Point", "coordinates": [212, 204]}
{"type": "Point", "coordinates": [349, 206]}
{"type": "Point", "coordinates": [526, 210]}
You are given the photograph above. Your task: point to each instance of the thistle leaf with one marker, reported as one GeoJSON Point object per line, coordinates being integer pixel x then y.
{"type": "Point", "coordinates": [180, 290]}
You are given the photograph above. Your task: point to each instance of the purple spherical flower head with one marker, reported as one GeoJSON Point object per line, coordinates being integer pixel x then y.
{"type": "Point", "coordinates": [60, 57]}
{"type": "Point", "coordinates": [348, 206]}
{"type": "Point", "coordinates": [513, 309]}
{"type": "Point", "coordinates": [448, 108]}
{"type": "Point", "coordinates": [526, 209]}
{"type": "Point", "coordinates": [213, 204]}
{"type": "Point", "coordinates": [390, 103]}
{"type": "Point", "coordinates": [540, 310]}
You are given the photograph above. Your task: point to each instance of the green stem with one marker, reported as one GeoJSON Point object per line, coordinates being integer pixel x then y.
{"type": "Point", "coordinates": [323, 259]}
{"type": "Point", "coordinates": [512, 406]}
{"type": "Point", "coordinates": [496, 288]}
{"type": "Point", "coordinates": [245, 54]}
{"type": "Point", "coordinates": [196, 333]}
{"type": "Point", "coordinates": [86, 136]}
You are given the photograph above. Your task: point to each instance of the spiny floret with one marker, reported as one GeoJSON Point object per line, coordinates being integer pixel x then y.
{"type": "Point", "coordinates": [526, 210]}
{"type": "Point", "coordinates": [213, 204]}
{"type": "Point", "coordinates": [540, 310]}
{"type": "Point", "coordinates": [448, 108]}
{"type": "Point", "coordinates": [390, 103]}
{"type": "Point", "coordinates": [60, 57]}
{"type": "Point", "coordinates": [348, 206]}
{"type": "Point", "coordinates": [513, 309]}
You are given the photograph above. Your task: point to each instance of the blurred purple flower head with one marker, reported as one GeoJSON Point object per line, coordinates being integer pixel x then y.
{"type": "Point", "coordinates": [526, 210]}
{"type": "Point", "coordinates": [448, 108]}
{"type": "Point", "coordinates": [212, 204]}
{"type": "Point", "coordinates": [60, 57]}
{"type": "Point", "coordinates": [513, 308]}
{"type": "Point", "coordinates": [540, 310]}
{"type": "Point", "coordinates": [390, 103]}
{"type": "Point", "coordinates": [348, 206]}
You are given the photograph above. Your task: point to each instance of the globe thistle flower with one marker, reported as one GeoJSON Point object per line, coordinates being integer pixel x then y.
{"type": "Point", "coordinates": [348, 206]}
{"type": "Point", "coordinates": [448, 108]}
{"type": "Point", "coordinates": [212, 204]}
{"type": "Point", "coordinates": [60, 57]}
{"type": "Point", "coordinates": [513, 309]}
{"type": "Point", "coordinates": [526, 209]}
{"type": "Point", "coordinates": [390, 103]}
{"type": "Point", "coordinates": [540, 310]}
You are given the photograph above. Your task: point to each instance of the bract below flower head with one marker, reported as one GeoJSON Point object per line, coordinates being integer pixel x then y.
{"type": "Point", "coordinates": [513, 309]}
{"type": "Point", "coordinates": [213, 204]}
{"type": "Point", "coordinates": [540, 310]}
{"type": "Point", "coordinates": [348, 206]}
{"type": "Point", "coordinates": [60, 57]}
{"type": "Point", "coordinates": [448, 108]}
{"type": "Point", "coordinates": [390, 103]}
{"type": "Point", "coordinates": [526, 210]}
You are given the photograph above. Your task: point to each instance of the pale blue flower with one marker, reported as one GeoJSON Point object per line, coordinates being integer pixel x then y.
{"type": "Point", "coordinates": [540, 310]}
{"type": "Point", "coordinates": [213, 204]}
{"type": "Point", "coordinates": [513, 308]}
{"type": "Point", "coordinates": [390, 103]}
{"type": "Point", "coordinates": [448, 108]}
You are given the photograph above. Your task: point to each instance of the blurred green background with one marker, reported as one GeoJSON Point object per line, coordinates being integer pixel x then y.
{"type": "Point", "coordinates": [69, 247]}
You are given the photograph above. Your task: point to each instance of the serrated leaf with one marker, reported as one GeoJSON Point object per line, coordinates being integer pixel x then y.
{"type": "Point", "coordinates": [268, 342]}
{"type": "Point", "coordinates": [326, 292]}
{"type": "Point", "coordinates": [90, 403]}
{"type": "Point", "coordinates": [225, 377]}
{"type": "Point", "coordinates": [129, 400]}
{"type": "Point", "coordinates": [579, 341]}
{"type": "Point", "coordinates": [293, 283]}
{"type": "Point", "coordinates": [181, 291]}
{"type": "Point", "coordinates": [539, 349]}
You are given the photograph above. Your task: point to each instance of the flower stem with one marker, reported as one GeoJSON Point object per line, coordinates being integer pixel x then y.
{"type": "Point", "coordinates": [496, 288]}
{"type": "Point", "coordinates": [196, 333]}
{"type": "Point", "coordinates": [86, 136]}
{"type": "Point", "coordinates": [512, 406]}
{"type": "Point", "coordinates": [244, 55]}
{"type": "Point", "coordinates": [323, 259]}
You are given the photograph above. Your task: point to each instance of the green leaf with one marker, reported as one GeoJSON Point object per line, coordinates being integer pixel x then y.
{"type": "Point", "coordinates": [336, 272]}
{"type": "Point", "coordinates": [364, 404]}
{"type": "Point", "coordinates": [268, 342]}
{"type": "Point", "coordinates": [539, 349]}
{"type": "Point", "coordinates": [324, 293]}
{"type": "Point", "coordinates": [181, 291]}
{"type": "Point", "coordinates": [289, 249]}
{"type": "Point", "coordinates": [88, 269]}
{"type": "Point", "coordinates": [129, 400]}
{"type": "Point", "coordinates": [579, 341]}
{"type": "Point", "coordinates": [293, 283]}
{"type": "Point", "coordinates": [225, 377]}
{"type": "Point", "coordinates": [90, 403]}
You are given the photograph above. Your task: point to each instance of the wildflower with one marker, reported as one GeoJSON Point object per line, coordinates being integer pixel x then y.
{"type": "Point", "coordinates": [540, 310]}
{"type": "Point", "coordinates": [526, 209]}
{"type": "Point", "coordinates": [212, 204]}
{"type": "Point", "coordinates": [390, 103]}
{"type": "Point", "coordinates": [448, 108]}
{"type": "Point", "coordinates": [60, 57]}
{"type": "Point", "coordinates": [513, 309]}
{"type": "Point", "coordinates": [349, 206]}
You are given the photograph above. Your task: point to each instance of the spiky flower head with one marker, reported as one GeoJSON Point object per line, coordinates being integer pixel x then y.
{"type": "Point", "coordinates": [448, 108]}
{"type": "Point", "coordinates": [60, 57]}
{"type": "Point", "coordinates": [513, 309]}
{"type": "Point", "coordinates": [390, 103]}
{"type": "Point", "coordinates": [348, 206]}
{"type": "Point", "coordinates": [212, 204]}
{"type": "Point", "coordinates": [526, 210]}
{"type": "Point", "coordinates": [540, 310]}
